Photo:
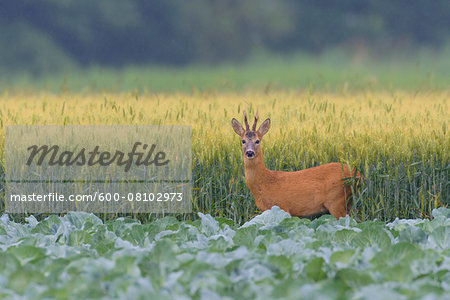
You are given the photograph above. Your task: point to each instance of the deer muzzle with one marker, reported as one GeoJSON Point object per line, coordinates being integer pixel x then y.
{"type": "Point", "coordinates": [250, 154]}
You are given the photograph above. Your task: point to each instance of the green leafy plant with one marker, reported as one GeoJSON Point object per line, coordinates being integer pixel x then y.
{"type": "Point", "coordinates": [272, 256]}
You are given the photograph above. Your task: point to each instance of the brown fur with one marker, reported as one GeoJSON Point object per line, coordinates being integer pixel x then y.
{"type": "Point", "coordinates": [302, 193]}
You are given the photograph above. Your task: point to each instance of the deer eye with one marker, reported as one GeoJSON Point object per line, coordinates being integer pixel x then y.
{"type": "Point", "coordinates": [243, 141]}
{"type": "Point", "coordinates": [257, 142]}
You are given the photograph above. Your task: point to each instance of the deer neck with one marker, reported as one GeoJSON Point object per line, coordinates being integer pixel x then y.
{"type": "Point", "coordinates": [255, 171]}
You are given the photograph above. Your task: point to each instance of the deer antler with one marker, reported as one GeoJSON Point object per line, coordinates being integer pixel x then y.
{"type": "Point", "coordinates": [247, 127]}
{"type": "Point", "coordinates": [256, 120]}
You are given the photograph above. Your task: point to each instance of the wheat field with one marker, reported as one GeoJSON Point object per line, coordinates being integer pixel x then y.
{"type": "Point", "coordinates": [398, 140]}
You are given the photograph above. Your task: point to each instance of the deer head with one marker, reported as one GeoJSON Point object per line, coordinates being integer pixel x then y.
{"type": "Point", "coordinates": [251, 139]}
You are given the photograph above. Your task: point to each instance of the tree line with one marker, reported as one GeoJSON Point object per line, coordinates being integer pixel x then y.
{"type": "Point", "coordinates": [48, 35]}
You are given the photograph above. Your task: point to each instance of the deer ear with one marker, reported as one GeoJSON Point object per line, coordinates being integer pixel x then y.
{"type": "Point", "coordinates": [264, 127]}
{"type": "Point", "coordinates": [237, 127]}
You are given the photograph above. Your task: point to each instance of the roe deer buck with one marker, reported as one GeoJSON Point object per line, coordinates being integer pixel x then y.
{"type": "Point", "coordinates": [302, 193]}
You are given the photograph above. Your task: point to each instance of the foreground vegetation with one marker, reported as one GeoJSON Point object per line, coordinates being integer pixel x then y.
{"type": "Point", "coordinates": [399, 140]}
{"type": "Point", "coordinates": [273, 256]}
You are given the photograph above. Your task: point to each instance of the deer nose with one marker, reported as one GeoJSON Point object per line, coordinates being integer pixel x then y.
{"type": "Point", "coordinates": [250, 153]}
